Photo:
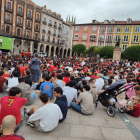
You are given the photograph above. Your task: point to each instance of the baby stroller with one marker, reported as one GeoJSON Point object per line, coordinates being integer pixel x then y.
{"type": "Point", "coordinates": [108, 97]}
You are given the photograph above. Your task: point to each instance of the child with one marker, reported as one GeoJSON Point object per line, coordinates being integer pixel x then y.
{"type": "Point", "coordinates": [2, 80]}
{"type": "Point", "coordinates": [134, 109]}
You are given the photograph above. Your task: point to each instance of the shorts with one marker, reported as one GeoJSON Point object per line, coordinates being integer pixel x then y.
{"type": "Point", "coordinates": [38, 127]}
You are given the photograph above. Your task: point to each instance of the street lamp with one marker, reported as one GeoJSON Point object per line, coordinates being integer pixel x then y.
{"type": "Point", "coordinates": [92, 38]}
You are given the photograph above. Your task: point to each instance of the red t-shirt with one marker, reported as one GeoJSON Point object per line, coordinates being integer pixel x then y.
{"type": "Point", "coordinates": [22, 70]}
{"type": "Point", "coordinates": [11, 105]}
{"type": "Point", "coordinates": [52, 67]}
{"type": "Point", "coordinates": [93, 76]}
{"type": "Point", "coordinates": [11, 137]}
{"type": "Point", "coordinates": [22, 53]}
{"type": "Point", "coordinates": [136, 110]}
{"type": "Point", "coordinates": [2, 80]}
{"type": "Point", "coordinates": [28, 54]}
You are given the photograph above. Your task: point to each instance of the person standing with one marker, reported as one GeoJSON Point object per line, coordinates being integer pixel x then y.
{"type": "Point", "coordinates": [22, 54]}
{"type": "Point", "coordinates": [35, 69]}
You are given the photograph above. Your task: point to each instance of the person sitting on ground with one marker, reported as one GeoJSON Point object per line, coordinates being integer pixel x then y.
{"type": "Point", "coordinates": [100, 80]}
{"type": "Point", "coordinates": [70, 92]}
{"type": "Point", "coordinates": [47, 87]}
{"type": "Point", "coordinates": [106, 77]}
{"type": "Point", "coordinates": [6, 73]}
{"type": "Point", "coordinates": [45, 118]}
{"type": "Point", "coordinates": [27, 78]}
{"type": "Point", "coordinates": [8, 126]}
{"type": "Point", "coordinates": [84, 104]}
{"type": "Point", "coordinates": [115, 76]}
{"type": "Point", "coordinates": [13, 105]}
{"type": "Point", "coordinates": [78, 78]}
{"type": "Point", "coordinates": [134, 109]}
{"type": "Point", "coordinates": [67, 77]}
{"type": "Point", "coordinates": [61, 101]}
{"type": "Point", "coordinates": [59, 82]}
{"type": "Point", "coordinates": [80, 85]}
{"type": "Point", "coordinates": [26, 91]}
{"type": "Point", "coordinates": [2, 81]}
{"type": "Point", "coordinates": [94, 90]}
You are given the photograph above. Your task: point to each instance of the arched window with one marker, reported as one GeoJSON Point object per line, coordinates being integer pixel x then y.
{"type": "Point", "coordinates": [18, 32]}
{"type": "Point", "coordinates": [36, 36]}
{"type": "Point", "coordinates": [28, 34]}
{"type": "Point", "coordinates": [7, 29]}
{"type": "Point", "coordinates": [36, 26]}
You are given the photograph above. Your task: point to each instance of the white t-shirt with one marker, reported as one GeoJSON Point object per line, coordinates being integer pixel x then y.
{"type": "Point", "coordinates": [83, 63]}
{"type": "Point", "coordinates": [97, 84]}
{"type": "Point", "coordinates": [12, 83]}
{"type": "Point", "coordinates": [70, 93]}
{"type": "Point", "coordinates": [59, 83]}
{"type": "Point", "coordinates": [49, 116]}
{"type": "Point", "coordinates": [116, 77]}
{"type": "Point", "coordinates": [101, 81]}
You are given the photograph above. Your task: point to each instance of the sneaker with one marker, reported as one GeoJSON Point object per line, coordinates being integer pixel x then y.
{"type": "Point", "coordinates": [30, 124]}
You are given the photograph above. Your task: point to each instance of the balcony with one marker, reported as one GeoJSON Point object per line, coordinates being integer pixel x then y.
{"type": "Point", "coordinates": [110, 31]}
{"type": "Point", "coordinates": [29, 17]}
{"type": "Point", "coordinates": [135, 42]}
{"type": "Point", "coordinates": [43, 31]}
{"type": "Point", "coordinates": [59, 28]}
{"type": "Point", "coordinates": [37, 20]}
{"type": "Point", "coordinates": [19, 24]}
{"type": "Point", "coordinates": [108, 41]}
{"type": "Point", "coordinates": [76, 38]}
{"type": "Point", "coordinates": [8, 10]}
{"type": "Point", "coordinates": [49, 33]}
{"type": "Point", "coordinates": [37, 29]}
{"type": "Point", "coordinates": [55, 26]}
{"type": "Point", "coordinates": [59, 35]}
{"type": "Point", "coordinates": [101, 40]}
{"type": "Point", "coordinates": [8, 21]}
{"type": "Point", "coordinates": [125, 41]}
{"type": "Point", "coordinates": [50, 25]}
{"type": "Point", "coordinates": [84, 39]}
{"type": "Point", "coordinates": [19, 14]}
{"type": "Point", "coordinates": [102, 31]}
{"type": "Point", "coordinates": [54, 34]}
{"type": "Point", "coordinates": [44, 22]}
{"type": "Point", "coordinates": [28, 27]}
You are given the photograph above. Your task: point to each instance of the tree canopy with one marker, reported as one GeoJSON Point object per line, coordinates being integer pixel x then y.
{"type": "Point", "coordinates": [95, 50]}
{"type": "Point", "coordinates": [107, 51]}
{"type": "Point", "coordinates": [79, 48]}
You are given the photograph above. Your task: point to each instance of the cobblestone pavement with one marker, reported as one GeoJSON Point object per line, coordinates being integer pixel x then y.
{"type": "Point", "coordinates": [98, 126]}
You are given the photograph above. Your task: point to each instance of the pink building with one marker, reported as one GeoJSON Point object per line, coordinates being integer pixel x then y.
{"type": "Point", "coordinates": [103, 31]}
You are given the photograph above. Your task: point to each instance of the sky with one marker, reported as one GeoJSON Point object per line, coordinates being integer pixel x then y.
{"type": "Point", "coordinates": [87, 10]}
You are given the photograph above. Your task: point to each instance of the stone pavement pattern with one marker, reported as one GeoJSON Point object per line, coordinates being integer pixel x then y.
{"type": "Point", "coordinates": [98, 126]}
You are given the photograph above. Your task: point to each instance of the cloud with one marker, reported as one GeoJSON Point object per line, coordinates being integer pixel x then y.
{"type": "Point", "coordinates": [85, 10]}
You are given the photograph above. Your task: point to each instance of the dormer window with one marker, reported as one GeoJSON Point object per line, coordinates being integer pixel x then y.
{"type": "Point", "coordinates": [112, 21]}
{"type": "Point", "coordinates": [129, 20]}
{"type": "Point", "coordinates": [55, 15]}
{"type": "Point", "coordinates": [105, 21]}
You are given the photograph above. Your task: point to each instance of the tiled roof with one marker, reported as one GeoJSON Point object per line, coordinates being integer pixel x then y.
{"type": "Point", "coordinates": [32, 3]}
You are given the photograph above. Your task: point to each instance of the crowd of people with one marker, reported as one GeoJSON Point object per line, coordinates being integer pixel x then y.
{"type": "Point", "coordinates": [72, 82]}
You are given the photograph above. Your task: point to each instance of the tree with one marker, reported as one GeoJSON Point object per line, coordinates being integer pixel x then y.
{"type": "Point", "coordinates": [132, 53]}
{"type": "Point", "coordinates": [79, 48]}
{"type": "Point", "coordinates": [95, 49]}
{"type": "Point", "coordinates": [107, 51]}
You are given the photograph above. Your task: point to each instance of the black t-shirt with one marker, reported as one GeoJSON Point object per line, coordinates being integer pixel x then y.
{"type": "Point", "coordinates": [28, 80]}
{"type": "Point", "coordinates": [78, 79]}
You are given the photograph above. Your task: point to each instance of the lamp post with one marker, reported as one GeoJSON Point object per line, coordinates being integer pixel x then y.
{"type": "Point", "coordinates": [92, 38]}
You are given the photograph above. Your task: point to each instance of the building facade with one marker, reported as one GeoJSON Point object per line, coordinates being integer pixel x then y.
{"type": "Point", "coordinates": [21, 20]}
{"type": "Point", "coordinates": [107, 33]}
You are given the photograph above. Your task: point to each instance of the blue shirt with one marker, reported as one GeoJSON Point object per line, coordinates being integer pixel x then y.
{"type": "Point", "coordinates": [47, 87]}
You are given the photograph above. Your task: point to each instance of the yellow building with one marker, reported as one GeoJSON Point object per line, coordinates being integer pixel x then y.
{"type": "Point", "coordinates": [129, 33]}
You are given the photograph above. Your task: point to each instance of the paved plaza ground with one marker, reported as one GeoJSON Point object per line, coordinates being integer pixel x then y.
{"type": "Point", "coordinates": [98, 126]}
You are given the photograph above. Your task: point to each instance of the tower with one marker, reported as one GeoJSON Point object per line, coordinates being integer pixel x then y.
{"type": "Point", "coordinates": [70, 21]}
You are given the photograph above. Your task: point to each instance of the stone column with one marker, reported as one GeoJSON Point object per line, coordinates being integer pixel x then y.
{"type": "Point", "coordinates": [44, 48]}
{"type": "Point", "coordinates": [14, 16]}
{"type": "Point", "coordinates": [59, 51]}
{"type": "Point", "coordinates": [54, 51]}
{"type": "Point", "coordinates": [31, 47]}
{"type": "Point", "coordinates": [13, 46]}
{"type": "Point", "coordinates": [70, 52]}
{"type": "Point", "coordinates": [24, 18]}
{"type": "Point", "coordinates": [22, 45]}
{"type": "Point", "coordinates": [38, 49]}
{"type": "Point", "coordinates": [63, 53]}
{"type": "Point", "coordinates": [33, 25]}
{"type": "Point", "coordinates": [2, 14]}
{"type": "Point", "coordinates": [66, 53]}
{"type": "Point", "coordinates": [49, 51]}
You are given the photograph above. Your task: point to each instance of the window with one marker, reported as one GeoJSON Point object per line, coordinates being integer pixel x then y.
{"type": "Point", "coordinates": [102, 29]}
{"type": "Point", "coordinates": [75, 42]}
{"type": "Point", "coordinates": [18, 32]}
{"type": "Point", "coordinates": [54, 31]}
{"type": "Point", "coordinates": [19, 10]}
{"type": "Point", "coordinates": [109, 38]}
{"type": "Point", "coordinates": [8, 5]}
{"type": "Point", "coordinates": [36, 36]}
{"type": "Point", "coordinates": [101, 37]}
{"type": "Point", "coordinates": [124, 47]}
{"type": "Point", "coordinates": [58, 32]}
{"type": "Point", "coordinates": [84, 36]}
{"type": "Point", "coordinates": [84, 43]}
{"type": "Point", "coordinates": [94, 28]}
{"type": "Point", "coordinates": [110, 29]}
{"type": "Point", "coordinates": [44, 19]}
{"type": "Point", "coordinates": [76, 37]}
{"type": "Point", "coordinates": [28, 24]}
{"type": "Point", "coordinates": [108, 44]}
{"type": "Point", "coordinates": [127, 29]}
{"type": "Point", "coordinates": [77, 29]}
{"type": "Point", "coordinates": [50, 22]}
{"type": "Point", "coordinates": [85, 28]}
{"type": "Point", "coordinates": [28, 34]}
{"type": "Point", "coordinates": [19, 21]}
{"type": "Point", "coordinates": [55, 15]}
{"type": "Point", "coordinates": [136, 38]}
{"type": "Point", "coordinates": [36, 26]}
{"type": "Point", "coordinates": [125, 39]}
{"type": "Point", "coordinates": [29, 14]}
{"type": "Point", "coordinates": [8, 17]}
{"type": "Point", "coordinates": [117, 37]}
{"type": "Point", "coordinates": [37, 17]}
{"type": "Point", "coordinates": [137, 29]}
{"type": "Point", "coordinates": [129, 21]}
{"type": "Point", "coordinates": [7, 29]}
{"type": "Point", "coordinates": [112, 21]}
{"type": "Point", "coordinates": [100, 44]}
{"type": "Point", "coordinates": [118, 29]}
